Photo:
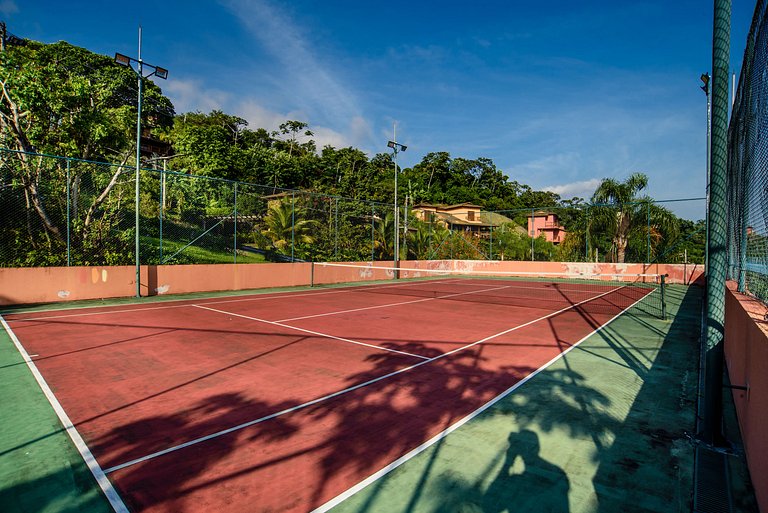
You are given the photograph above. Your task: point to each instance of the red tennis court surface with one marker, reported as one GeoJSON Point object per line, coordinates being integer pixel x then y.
{"type": "Point", "coordinates": [282, 402]}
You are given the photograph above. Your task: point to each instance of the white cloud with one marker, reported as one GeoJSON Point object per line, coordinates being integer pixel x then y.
{"type": "Point", "coordinates": [191, 96]}
{"type": "Point", "coordinates": [311, 82]}
{"type": "Point", "coordinates": [583, 189]}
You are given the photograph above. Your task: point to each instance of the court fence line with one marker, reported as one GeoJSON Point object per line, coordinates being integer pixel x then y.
{"type": "Point", "coordinates": [747, 174]}
{"type": "Point", "coordinates": [81, 213]}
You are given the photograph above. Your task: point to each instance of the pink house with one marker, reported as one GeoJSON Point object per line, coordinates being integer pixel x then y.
{"type": "Point", "coordinates": [548, 224]}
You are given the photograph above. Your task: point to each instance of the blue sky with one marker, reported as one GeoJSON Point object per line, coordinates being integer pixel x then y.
{"type": "Point", "coordinates": [559, 94]}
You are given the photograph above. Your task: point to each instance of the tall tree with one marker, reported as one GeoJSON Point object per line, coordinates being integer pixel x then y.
{"type": "Point", "coordinates": [620, 212]}
{"type": "Point", "coordinates": [64, 100]}
{"type": "Point", "coordinates": [292, 129]}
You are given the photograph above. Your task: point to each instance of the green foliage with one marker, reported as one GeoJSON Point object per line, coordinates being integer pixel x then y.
{"type": "Point", "coordinates": [64, 100]}
{"type": "Point", "coordinates": [285, 225]}
{"type": "Point", "coordinates": [512, 243]}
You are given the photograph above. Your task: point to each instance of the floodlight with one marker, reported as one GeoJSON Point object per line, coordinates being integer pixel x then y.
{"type": "Point", "coordinates": [123, 60]}
{"type": "Point", "coordinates": [161, 72]}
{"type": "Point", "coordinates": [705, 81]}
{"type": "Point", "coordinates": [391, 144]}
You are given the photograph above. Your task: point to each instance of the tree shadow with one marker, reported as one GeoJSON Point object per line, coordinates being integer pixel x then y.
{"type": "Point", "coordinates": [384, 414]}
{"type": "Point", "coordinates": [139, 482]}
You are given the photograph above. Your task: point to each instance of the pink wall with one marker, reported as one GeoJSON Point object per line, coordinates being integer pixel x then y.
{"type": "Point", "coordinates": [53, 284]}
{"type": "Point", "coordinates": [746, 355]}
{"type": "Point", "coordinates": [57, 284]}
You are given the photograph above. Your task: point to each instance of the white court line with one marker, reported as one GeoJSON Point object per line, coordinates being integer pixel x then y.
{"type": "Point", "coordinates": [338, 392]}
{"type": "Point", "coordinates": [421, 300]}
{"type": "Point", "coordinates": [101, 478]}
{"type": "Point", "coordinates": [453, 427]}
{"type": "Point", "coordinates": [317, 333]}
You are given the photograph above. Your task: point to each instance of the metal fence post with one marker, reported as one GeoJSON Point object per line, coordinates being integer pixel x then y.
{"type": "Point", "coordinates": [533, 231]}
{"type": "Point", "coordinates": [373, 233]}
{"type": "Point", "coordinates": [586, 237]}
{"type": "Point", "coordinates": [235, 228]}
{"type": "Point", "coordinates": [490, 243]}
{"type": "Point", "coordinates": [69, 200]}
{"type": "Point", "coordinates": [336, 233]}
{"type": "Point", "coordinates": [162, 207]}
{"type": "Point", "coordinates": [648, 243]}
{"type": "Point", "coordinates": [293, 226]}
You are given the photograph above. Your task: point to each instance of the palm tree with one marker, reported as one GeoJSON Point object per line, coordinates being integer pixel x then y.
{"type": "Point", "coordinates": [624, 216]}
{"type": "Point", "coordinates": [420, 240]}
{"type": "Point", "coordinates": [383, 239]}
{"type": "Point", "coordinates": [285, 224]}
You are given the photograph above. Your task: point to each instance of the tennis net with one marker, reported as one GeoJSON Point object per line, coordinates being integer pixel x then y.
{"type": "Point", "coordinates": [589, 293]}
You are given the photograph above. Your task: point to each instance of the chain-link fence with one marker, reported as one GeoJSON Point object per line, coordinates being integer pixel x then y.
{"type": "Point", "coordinates": [60, 211]}
{"type": "Point", "coordinates": [643, 230]}
{"type": "Point", "coordinates": [748, 166]}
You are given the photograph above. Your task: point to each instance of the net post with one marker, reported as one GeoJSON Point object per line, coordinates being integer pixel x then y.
{"type": "Point", "coordinates": [663, 291]}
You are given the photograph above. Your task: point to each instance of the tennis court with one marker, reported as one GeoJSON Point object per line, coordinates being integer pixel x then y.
{"type": "Point", "coordinates": [291, 401]}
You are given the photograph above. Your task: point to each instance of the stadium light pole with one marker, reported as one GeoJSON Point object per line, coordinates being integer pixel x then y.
{"type": "Point", "coordinates": [396, 147]}
{"type": "Point", "coordinates": [159, 72]}
{"type": "Point", "coordinates": [705, 78]}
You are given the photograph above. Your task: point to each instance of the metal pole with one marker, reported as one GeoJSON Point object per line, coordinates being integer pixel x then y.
{"type": "Point", "coordinates": [138, 166]}
{"type": "Point", "coordinates": [69, 198]}
{"type": "Point", "coordinates": [336, 233]}
{"type": "Point", "coordinates": [709, 173]}
{"type": "Point", "coordinates": [648, 243]}
{"type": "Point", "coordinates": [586, 237]}
{"type": "Point", "coordinates": [397, 212]}
{"type": "Point", "coordinates": [490, 244]}
{"type": "Point", "coordinates": [235, 248]}
{"type": "Point", "coordinates": [711, 432]}
{"type": "Point", "coordinates": [293, 224]}
{"type": "Point", "coordinates": [162, 206]}
{"type": "Point", "coordinates": [373, 234]}
{"type": "Point", "coordinates": [533, 230]}
{"type": "Point", "coordinates": [405, 225]}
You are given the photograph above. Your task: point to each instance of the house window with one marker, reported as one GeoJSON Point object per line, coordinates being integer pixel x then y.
{"type": "Point", "coordinates": [471, 215]}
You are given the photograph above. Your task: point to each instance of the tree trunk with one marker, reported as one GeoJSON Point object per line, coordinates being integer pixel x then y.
{"type": "Point", "coordinates": [621, 241]}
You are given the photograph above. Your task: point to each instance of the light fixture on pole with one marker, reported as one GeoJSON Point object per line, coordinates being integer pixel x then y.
{"type": "Point", "coordinates": [396, 147]}
{"type": "Point", "coordinates": [126, 61]}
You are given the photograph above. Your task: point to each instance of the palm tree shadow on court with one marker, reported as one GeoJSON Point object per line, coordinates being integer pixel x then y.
{"type": "Point", "coordinates": [177, 481]}
{"type": "Point", "coordinates": [369, 427]}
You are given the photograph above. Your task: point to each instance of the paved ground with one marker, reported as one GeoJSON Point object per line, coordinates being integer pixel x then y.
{"type": "Point", "coordinates": [602, 430]}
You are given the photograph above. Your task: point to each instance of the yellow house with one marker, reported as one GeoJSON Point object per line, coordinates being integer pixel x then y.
{"type": "Point", "coordinates": [463, 216]}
